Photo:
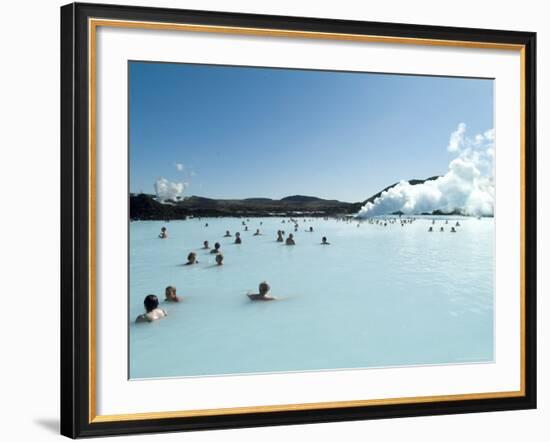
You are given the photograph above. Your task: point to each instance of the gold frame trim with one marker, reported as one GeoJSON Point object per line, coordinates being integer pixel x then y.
{"type": "Point", "coordinates": [93, 24]}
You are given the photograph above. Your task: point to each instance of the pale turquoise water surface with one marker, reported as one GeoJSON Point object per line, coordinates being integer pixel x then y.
{"type": "Point", "coordinates": [377, 296]}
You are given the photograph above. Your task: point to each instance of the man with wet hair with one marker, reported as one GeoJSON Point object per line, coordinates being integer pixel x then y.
{"type": "Point", "coordinates": [153, 312]}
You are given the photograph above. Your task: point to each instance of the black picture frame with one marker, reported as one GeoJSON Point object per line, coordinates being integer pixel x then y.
{"type": "Point", "coordinates": [75, 219]}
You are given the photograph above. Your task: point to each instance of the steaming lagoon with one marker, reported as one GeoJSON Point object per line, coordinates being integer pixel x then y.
{"type": "Point", "coordinates": [375, 297]}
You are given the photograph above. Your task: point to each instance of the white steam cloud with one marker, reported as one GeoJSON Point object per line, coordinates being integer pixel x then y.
{"type": "Point", "coordinates": [168, 190]}
{"type": "Point", "coordinates": [468, 186]}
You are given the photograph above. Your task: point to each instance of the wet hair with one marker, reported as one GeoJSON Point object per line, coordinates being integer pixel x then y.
{"type": "Point", "coordinates": [151, 302]}
{"type": "Point", "coordinates": [217, 245]}
{"type": "Point", "coordinates": [266, 287]}
{"type": "Point", "coordinates": [163, 229]}
{"type": "Point", "coordinates": [205, 243]}
{"type": "Point", "coordinates": [219, 258]}
{"type": "Point", "coordinates": [191, 255]}
{"type": "Point", "coordinates": [324, 239]}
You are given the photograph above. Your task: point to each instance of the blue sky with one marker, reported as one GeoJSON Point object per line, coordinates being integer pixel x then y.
{"type": "Point", "coordinates": [240, 132]}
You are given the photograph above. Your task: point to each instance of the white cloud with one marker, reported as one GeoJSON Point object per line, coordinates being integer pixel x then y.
{"type": "Point", "coordinates": [168, 190]}
{"type": "Point", "coordinates": [467, 186]}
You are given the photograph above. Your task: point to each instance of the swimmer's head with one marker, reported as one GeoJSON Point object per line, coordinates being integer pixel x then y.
{"type": "Point", "coordinates": [237, 234]}
{"type": "Point", "coordinates": [324, 239]}
{"type": "Point", "coordinates": [217, 245]}
{"type": "Point", "coordinates": [219, 259]}
{"type": "Point", "coordinates": [290, 235]}
{"type": "Point", "coordinates": [192, 257]}
{"type": "Point", "coordinates": [151, 302]}
{"type": "Point", "coordinates": [264, 288]}
{"type": "Point", "coordinates": [170, 292]}
{"type": "Point", "coordinates": [205, 243]}
{"type": "Point", "coordinates": [163, 229]}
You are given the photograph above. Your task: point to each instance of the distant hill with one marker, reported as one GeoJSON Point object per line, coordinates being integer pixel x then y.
{"type": "Point", "coordinates": [301, 199]}
{"type": "Point", "coordinates": [146, 207]}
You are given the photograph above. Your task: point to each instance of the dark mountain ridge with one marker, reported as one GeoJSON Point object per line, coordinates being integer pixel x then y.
{"type": "Point", "coordinates": [146, 207]}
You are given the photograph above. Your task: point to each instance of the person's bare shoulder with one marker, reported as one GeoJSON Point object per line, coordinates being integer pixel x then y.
{"type": "Point", "coordinates": [142, 318]}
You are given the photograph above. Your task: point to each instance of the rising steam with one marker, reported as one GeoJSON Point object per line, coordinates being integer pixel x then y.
{"type": "Point", "coordinates": [168, 190]}
{"type": "Point", "coordinates": [467, 187]}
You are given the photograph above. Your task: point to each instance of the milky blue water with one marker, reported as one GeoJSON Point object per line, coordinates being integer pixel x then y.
{"type": "Point", "coordinates": [376, 297]}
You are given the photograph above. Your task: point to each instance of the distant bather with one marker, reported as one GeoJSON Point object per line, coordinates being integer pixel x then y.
{"type": "Point", "coordinates": [263, 290]}
{"type": "Point", "coordinates": [290, 240]}
{"type": "Point", "coordinates": [170, 294]}
{"type": "Point", "coordinates": [191, 259]}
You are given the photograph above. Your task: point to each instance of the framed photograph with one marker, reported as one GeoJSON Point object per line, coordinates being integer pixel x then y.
{"type": "Point", "coordinates": [273, 220]}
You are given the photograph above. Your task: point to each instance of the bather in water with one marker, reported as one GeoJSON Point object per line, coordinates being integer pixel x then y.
{"type": "Point", "coordinates": [238, 238]}
{"type": "Point", "coordinates": [163, 233]}
{"type": "Point", "coordinates": [205, 245]}
{"type": "Point", "coordinates": [216, 248]}
{"type": "Point", "coordinates": [263, 290]}
{"type": "Point", "coordinates": [227, 234]}
{"type": "Point", "coordinates": [257, 233]}
{"type": "Point", "coordinates": [290, 240]}
{"type": "Point", "coordinates": [219, 259]}
{"type": "Point", "coordinates": [324, 241]}
{"type": "Point", "coordinates": [170, 294]}
{"type": "Point", "coordinates": [191, 259]}
{"type": "Point", "coordinates": [153, 313]}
